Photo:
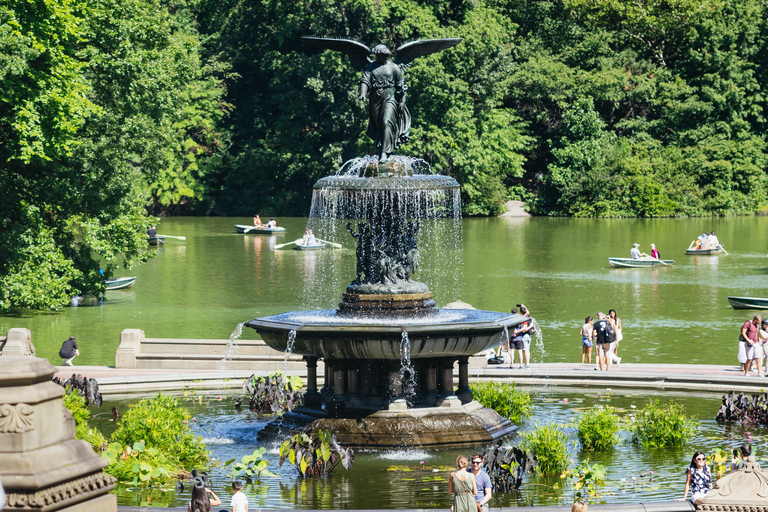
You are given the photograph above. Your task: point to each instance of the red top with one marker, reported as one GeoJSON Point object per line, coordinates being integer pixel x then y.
{"type": "Point", "coordinates": [751, 330]}
{"type": "Point", "coordinates": [655, 253]}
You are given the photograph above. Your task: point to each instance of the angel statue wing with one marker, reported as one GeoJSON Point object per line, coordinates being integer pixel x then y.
{"type": "Point", "coordinates": [406, 53]}
{"type": "Point", "coordinates": [358, 53]}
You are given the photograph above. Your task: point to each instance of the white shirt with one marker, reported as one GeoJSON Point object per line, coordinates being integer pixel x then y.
{"type": "Point", "coordinates": [239, 502]}
{"type": "Point", "coordinates": [635, 253]}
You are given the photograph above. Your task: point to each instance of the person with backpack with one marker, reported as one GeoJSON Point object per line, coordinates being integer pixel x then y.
{"type": "Point", "coordinates": [604, 334]}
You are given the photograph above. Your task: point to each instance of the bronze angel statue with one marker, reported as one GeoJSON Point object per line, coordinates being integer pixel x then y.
{"type": "Point", "coordinates": [383, 83]}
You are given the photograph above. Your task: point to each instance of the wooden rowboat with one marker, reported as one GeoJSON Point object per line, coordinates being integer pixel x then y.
{"type": "Point", "coordinates": [253, 230]}
{"type": "Point", "coordinates": [157, 240]}
{"type": "Point", "coordinates": [640, 263]}
{"type": "Point", "coordinates": [119, 283]}
{"type": "Point", "coordinates": [748, 303]}
{"type": "Point", "coordinates": [705, 252]}
{"type": "Point", "coordinates": [302, 245]}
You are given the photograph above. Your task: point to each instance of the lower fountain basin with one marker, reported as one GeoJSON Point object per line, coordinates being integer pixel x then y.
{"type": "Point", "coordinates": [327, 335]}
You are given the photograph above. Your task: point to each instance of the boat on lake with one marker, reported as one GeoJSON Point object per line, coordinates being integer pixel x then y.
{"type": "Point", "coordinates": [748, 302]}
{"type": "Point", "coordinates": [157, 240]}
{"type": "Point", "coordinates": [119, 283]}
{"type": "Point", "coordinates": [303, 245]}
{"type": "Point", "coordinates": [701, 251]}
{"type": "Point", "coordinates": [639, 263]}
{"type": "Point", "coordinates": [253, 230]}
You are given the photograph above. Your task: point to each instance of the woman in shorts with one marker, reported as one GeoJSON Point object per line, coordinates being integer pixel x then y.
{"type": "Point", "coordinates": [698, 479]}
{"type": "Point", "coordinates": [586, 340]}
{"type": "Point", "coordinates": [761, 354]}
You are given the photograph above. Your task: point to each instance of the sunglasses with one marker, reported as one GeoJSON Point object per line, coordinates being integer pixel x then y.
{"type": "Point", "coordinates": [700, 458]}
{"type": "Point", "coordinates": [477, 462]}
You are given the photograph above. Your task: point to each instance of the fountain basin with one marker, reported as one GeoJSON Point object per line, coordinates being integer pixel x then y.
{"type": "Point", "coordinates": [327, 335]}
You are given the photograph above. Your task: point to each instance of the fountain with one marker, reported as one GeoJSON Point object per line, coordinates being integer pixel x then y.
{"type": "Point", "coordinates": [389, 352]}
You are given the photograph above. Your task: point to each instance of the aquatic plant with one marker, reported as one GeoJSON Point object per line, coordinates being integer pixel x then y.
{"type": "Point", "coordinates": [598, 428]}
{"type": "Point", "coordinates": [275, 393]}
{"type": "Point", "coordinates": [250, 467]}
{"type": "Point", "coordinates": [661, 425]}
{"type": "Point", "coordinates": [161, 422]}
{"type": "Point", "coordinates": [503, 398]}
{"type": "Point", "coordinates": [549, 447]}
{"type": "Point", "coordinates": [316, 456]}
{"type": "Point", "coordinates": [587, 481]}
{"type": "Point", "coordinates": [77, 405]}
{"type": "Point", "coordinates": [506, 467]}
{"type": "Point", "coordinates": [140, 465]}
{"type": "Point", "coordinates": [740, 408]}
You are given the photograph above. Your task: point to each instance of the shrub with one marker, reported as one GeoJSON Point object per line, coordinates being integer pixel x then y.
{"type": "Point", "coordinates": [661, 425]}
{"type": "Point", "coordinates": [504, 399]}
{"type": "Point", "coordinates": [598, 428]}
{"type": "Point", "coordinates": [76, 403]}
{"type": "Point", "coordinates": [161, 422]}
{"type": "Point", "coordinates": [548, 444]}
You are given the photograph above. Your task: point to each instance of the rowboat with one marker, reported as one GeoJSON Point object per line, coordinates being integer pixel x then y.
{"type": "Point", "coordinates": [119, 283]}
{"type": "Point", "coordinates": [157, 240]}
{"type": "Point", "coordinates": [639, 263]}
{"type": "Point", "coordinates": [253, 230]}
{"type": "Point", "coordinates": [748, 303]}
{"type": "Point", "coordinates": [302, 245]}
{"type": "Point", "coordinates": [705, 252]}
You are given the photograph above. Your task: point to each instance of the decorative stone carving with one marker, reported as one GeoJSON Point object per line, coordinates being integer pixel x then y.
{"type": "Point", "coordinates": [17, 418]}
{"type": "Point", "coordinates": [18, 342]}
{"type": "Point", "coordinates": [59, 493]}
{"type": "Point", "coordinates": [745, 490]}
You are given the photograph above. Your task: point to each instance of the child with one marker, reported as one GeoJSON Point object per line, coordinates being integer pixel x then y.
{"type": "Point", "coordinates": [239, 500]}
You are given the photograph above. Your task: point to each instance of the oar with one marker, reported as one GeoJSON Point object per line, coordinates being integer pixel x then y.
{"type": "Point", "coordinates": [280, 246]}
{"type": "Point", "coordinates": [249, 229]}
{"type": "Point", "coordinates": [338, 246]}
{"type": "Point", "coordinates": [169, 236]}
{"type": "Point", "coordinates": [663, 263]}
{"type": "Point", "coordinates": [723, 248]}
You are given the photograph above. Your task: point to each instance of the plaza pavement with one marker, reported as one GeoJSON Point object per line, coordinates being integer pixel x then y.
{"type": "Point", "coordinates": [681, 377]}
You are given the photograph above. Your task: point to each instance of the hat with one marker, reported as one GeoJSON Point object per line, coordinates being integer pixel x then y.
{"type": "Point", "coordinates": [636, 245]}
{"type": "Point", "coordinates": [653, 245]}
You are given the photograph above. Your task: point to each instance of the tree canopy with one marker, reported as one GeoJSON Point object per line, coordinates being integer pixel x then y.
{"type": "Point", "coordinates": [114, 112]}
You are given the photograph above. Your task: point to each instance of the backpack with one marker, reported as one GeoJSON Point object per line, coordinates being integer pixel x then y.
{"type": "Point", "coordinates": [610, 332]}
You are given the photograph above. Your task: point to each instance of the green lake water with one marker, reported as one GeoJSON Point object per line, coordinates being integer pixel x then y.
{"type": "Point", "coordinates": [204, 287]}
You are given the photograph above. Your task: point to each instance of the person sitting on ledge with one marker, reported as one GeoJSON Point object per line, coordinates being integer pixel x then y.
{"type": "Point", "coordinates": [698, 479]}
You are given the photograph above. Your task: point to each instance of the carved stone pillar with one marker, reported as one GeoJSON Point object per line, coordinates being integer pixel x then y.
{"type": "Point", "coordinates": [741, 490]}
{"type": "Point", "coordinates": [446, 378]}
{"type": "Point", "coordinates": [431, 395]}
{"type": "Point", "coordinates": [43, 466]}
{"type": "Point", "coordinates": [395, 383]}
{"type": "Point", "coordinates": [463, 392]}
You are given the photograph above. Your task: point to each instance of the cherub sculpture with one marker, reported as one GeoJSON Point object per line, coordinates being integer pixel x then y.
{"type": "Point", "coordinates": [384, 84]}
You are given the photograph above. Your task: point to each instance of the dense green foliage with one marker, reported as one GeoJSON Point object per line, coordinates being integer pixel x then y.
{"type": "Point", "coordinates": [661, 425]}
{"type": "Point", "coordinates": [549, 444]}
{"type": "Point", "coordinates": [504, 399]}
{"type": "Point", "coordinates": [76, 404]}
{"type": "Point", "coordinates": [598, 428]}
{"type": "Point", "coordinates": [161, 423]}
{"type": "Point", "coordinates": [114, 111]}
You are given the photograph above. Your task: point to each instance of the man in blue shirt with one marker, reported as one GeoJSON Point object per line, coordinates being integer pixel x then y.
{"type": "Point", "coordinates": [482, 479]}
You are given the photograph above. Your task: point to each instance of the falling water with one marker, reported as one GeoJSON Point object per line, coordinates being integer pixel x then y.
{"type": "Point", "coordinates": [538, 342]}
{"type": "Point", "coordinates": [407, 372]}
{"type": "Point", "coordinates": [232, 347]}
{"type": "Point", "coordinates": [289, 346]}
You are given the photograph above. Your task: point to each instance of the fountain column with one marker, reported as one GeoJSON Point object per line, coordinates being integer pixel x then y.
{"type": "Point", "coordinates": [431, 395]}
{"type": "Point", "coordinates": [446, 377]}
{"type": "Point", "coordinates": [463, 392]}
{"type": "Point", "coordinates": [311, 397]}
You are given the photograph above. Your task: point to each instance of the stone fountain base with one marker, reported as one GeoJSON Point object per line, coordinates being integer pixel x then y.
{"type": "Point", "coordinates": [449, 425]}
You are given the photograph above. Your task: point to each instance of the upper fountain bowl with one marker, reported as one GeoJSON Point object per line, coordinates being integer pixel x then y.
{"type": "Point", "coordinates": [325, 334]}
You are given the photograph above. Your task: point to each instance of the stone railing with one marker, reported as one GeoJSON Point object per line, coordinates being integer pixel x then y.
{"type": "Point", "coordinates": [17, 342]}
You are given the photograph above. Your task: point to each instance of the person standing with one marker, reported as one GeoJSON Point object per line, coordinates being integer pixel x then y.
{"type": "Point", "coordinates": [461, 483]}
{"type": "Point", "coordinates": [616, 321]}
{"type": "Point", "coordinates": [764, 338]}
{"type": "Point", "coordinates": [655, 252]}
{"type": "Point", "coordinates": [68, 351]}
{"type": "Point", "coordinates": [698, 479]}
{"type": "Point", "coordinates": [586, 340]}
{"type": "Point", "coordinates": [748, 338]}
{"type": "Point", "coordinates": [200, 501]}
{"type": "Point", "coordinates": [482, 481]}
{"type": "Point", "coordinates": [526, 335]}
{"type": "Point", "coordinates": [603, 334]}
{"type": "Point", "coordinates": [239, 500]}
